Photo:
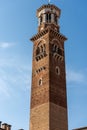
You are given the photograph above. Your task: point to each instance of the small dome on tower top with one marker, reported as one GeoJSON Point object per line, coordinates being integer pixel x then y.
{"type": "Point", "coordinates": [48, 16]}
{"type": "Point", "coordinates": [49, 6]}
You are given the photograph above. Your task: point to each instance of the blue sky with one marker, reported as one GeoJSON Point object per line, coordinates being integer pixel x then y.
{"type": "Point", "coordinates": [18, 23]}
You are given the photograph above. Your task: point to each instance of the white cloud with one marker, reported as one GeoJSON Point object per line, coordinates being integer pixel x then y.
{"type": "Point", "coordinates": [3, 88]}
{"type": "Point", "coordinates": [75, 76]}
{"type": "Point", "coordinates": [14, 77]}
{"type": "Point", "coordinates": [6, 44]}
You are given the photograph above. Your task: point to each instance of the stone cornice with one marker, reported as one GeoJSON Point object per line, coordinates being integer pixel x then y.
{"type": "Point", "coordinates": [48, 6]}
{"type": "Point", "coordinates": [48, 30]}
{"type": "Point", "coordinates": [39, 35]}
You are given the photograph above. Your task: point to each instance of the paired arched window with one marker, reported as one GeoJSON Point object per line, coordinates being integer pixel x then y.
{"type": "Point", "coordinates": [40, 51]}
{"type": "Point", "coordinates": [48, 17]}
{"type": "Point", "coordinates": [57, 49]}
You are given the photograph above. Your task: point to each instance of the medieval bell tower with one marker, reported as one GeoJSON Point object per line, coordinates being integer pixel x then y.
{"type": "Point", "coordinates": [48, 96]}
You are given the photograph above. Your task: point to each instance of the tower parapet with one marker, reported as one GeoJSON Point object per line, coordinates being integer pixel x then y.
{"type": "Point", "coordinates": [5, 126]}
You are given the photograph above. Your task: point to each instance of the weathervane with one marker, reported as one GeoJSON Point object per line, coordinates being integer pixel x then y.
{"type": "Point", "coordinates": [49, 1]}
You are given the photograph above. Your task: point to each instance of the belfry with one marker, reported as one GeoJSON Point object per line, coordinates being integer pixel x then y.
{"type": "Point", "coordinates": [48, 95]}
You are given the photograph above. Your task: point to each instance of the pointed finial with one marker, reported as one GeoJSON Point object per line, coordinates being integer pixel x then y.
{"type": "Point", "coordinates": [48, 1]}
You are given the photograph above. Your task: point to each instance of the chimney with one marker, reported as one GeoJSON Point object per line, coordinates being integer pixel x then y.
{"type": "Point", "coordinates": [0, 124]}
{"type": "Point", "coordinates": [6, 126]}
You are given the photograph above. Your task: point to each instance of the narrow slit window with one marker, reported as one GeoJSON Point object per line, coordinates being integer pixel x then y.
{"type": "Point", "coordinates": [57, 70]}
{"type": "Point", "coordinates": [40, 82]}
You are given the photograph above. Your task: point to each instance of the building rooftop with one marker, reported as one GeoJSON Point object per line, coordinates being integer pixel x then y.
{"type": "Point", "coordinates": [82, 128]}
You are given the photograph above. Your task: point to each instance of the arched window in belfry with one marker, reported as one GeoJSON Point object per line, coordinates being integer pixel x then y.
{"type": "Point", "coordinates": [41, 19]}
{"type": "Point", "coordinates": [48, 17]}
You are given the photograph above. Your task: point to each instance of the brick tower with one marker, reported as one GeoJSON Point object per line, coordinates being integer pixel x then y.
{"type": "Point", "coordinates": [48, 96]}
